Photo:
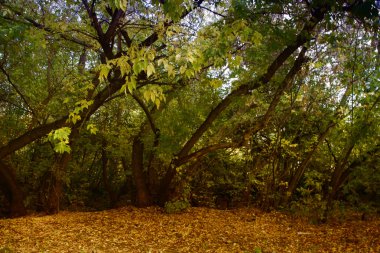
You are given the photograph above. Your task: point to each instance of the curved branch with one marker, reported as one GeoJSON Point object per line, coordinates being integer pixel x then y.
{"type": "Point", "coordinates": [92, 15]}
{"type": "Point", "coordinates": [204, 151]}
{"type": "Point", "coordinates": [285, 85]}
{"type": "Point", "coordinates": [43, 130]}
{"type": "Point", "coordinates": [301, 39]}
{"type": "Point", "coordinates": [30, 136]}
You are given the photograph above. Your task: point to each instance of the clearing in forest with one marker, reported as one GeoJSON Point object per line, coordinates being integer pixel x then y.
{"type": "Point", "coordinates": [197, 230]}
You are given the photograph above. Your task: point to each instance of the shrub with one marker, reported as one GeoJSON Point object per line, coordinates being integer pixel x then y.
{"type": "Point", "coordinates": [176, 206]}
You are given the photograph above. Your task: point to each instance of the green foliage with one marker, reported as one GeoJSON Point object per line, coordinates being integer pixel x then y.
{"type": "Point", "coordinates": [173, 9]}
{"type": "Point", "coordinates": [310, 203]}
{"type": "Point", "coordinates": [119, 4]}
{"type": "Point", "coordinates": [362, 190]}
{"type": "Point", "coordinates": [176, 206]}
{"type": "Point", "coordinates": [92, 128]}
{"type": "Point", "coordinates": [155, 94]}
{"type": "Point", "coordinates": [157, 71]}
{"type": "Point", "coordinates": [74, 116]}
{"type": "Point", "coordinates": [60, 139]}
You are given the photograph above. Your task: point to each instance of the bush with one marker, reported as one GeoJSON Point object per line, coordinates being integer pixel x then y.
{"type": "Point", "coordinates": [176, 206]}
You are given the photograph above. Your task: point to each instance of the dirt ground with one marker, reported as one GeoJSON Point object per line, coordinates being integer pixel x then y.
{"type": "Point", "coordinates": [198, 230]}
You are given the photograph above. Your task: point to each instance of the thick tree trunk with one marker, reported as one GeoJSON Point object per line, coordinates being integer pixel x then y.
{"type": "Point", "coordinates": [143, 197]}
{"type": "Point", "coordinates": [12, 191]}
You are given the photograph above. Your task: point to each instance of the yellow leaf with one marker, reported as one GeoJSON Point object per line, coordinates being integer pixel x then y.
{"type": "Point", "coordinates": [157, 101]}
{"type": "Point", "coordinates": [182, 69]}
{"type": "Point", "coordinates": [170, 70]}
{"type": "Point", "coordinates": [150, 69]}
{"type": "Point", "coordinates": [103, 73]}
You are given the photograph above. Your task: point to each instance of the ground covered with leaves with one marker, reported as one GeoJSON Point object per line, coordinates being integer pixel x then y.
{"type": "Point", "coordinates": [197, 230]}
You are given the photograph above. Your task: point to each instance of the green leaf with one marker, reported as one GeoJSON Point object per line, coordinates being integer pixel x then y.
{"type": "Point", "coordinates": [131, 84]}
{"type": "Point", "coordinates": [60, 138]}
{"type": "Point", "coordinates": [62, 147]}
{"type": "Point", "coordinates": [170, 69]}
{"type": "Point", "coordinates": [182, 69]}
{"type": "Point", "coordinates": [123, 65]}
{"type": "Point", "coordinates": [103, 73]}
{"type": "Point", "coordinates": [62, 134]}
{"type": "Point", "coordinates": [257, 38]}
{"type": "Point", "coordinates": [121, 4]}
{"type": "Point", "coordinates": [74, 118]}
{"type": "Point", "coordinates": [150, 69]}
{"type": "Point", "coordinates": [157, 102]}
{"type": "Point", "coordinates": [92, 128]}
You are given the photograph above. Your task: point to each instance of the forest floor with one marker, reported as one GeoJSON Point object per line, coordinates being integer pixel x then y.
{"type": "Point", "coordinates": [130, 229]}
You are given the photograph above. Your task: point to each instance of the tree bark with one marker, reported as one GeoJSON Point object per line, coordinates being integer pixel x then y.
{"type": "Point", "coordinates": [338, 172]}
{"type": "Point", "coordinates": [143, 197]}
{"type": "Point", "coordinates": [12, 191]}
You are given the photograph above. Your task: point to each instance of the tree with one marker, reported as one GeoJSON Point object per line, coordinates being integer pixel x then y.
{"type": "Point", "coordinates": [169, 85]}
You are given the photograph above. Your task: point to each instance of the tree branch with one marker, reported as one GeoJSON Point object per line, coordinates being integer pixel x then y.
{"type": "Point", "coordinates": [331, 151]}
{"type": "Point", "coordinates": [127, 39]}
{"type": "Point", "coordinates": [147, 113]}
{"type": "Point", "coordinates": [18, 91]}
{"type": "Point", "coordinates": [302, 38]}
{"type": "Point", "coordinates": [113, 25]}
{"type": "Point", "coordinates": [93, 18]}
{"type": "Point", "coordinates": [285, 85]}
{"type": "Point", "coordinates": [30, 21]}
{"type": "Point", "coordinates": [204, 151]}
{"type": "Point", "coordinates": [213, 12]}
{"type": "Point", "coordinates": [30, 136]}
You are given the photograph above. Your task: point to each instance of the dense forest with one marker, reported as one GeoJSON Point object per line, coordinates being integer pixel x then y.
{"type": "Point", "coordinates": [178, 103]}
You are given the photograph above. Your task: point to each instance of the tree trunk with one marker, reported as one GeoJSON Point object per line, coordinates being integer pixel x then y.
{"type": "Point", "coordinates": [338, 172]}
{"type": "Point", "coordinates": [166, 185]}
{"type": "Point", "coordinates": [302, 167]}
{"type": "Point", "coordinates": [106, 178]}
{"type": "Point", "coordinates": [143, 197]}
{"type": "Point", "coordinates": [12, 191]}
{"type": "Point", "coordinates": [52, 185]}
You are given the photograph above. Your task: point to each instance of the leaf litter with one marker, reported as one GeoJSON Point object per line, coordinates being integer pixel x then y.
{"type": "Point", "coordinates": [130, 229]}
